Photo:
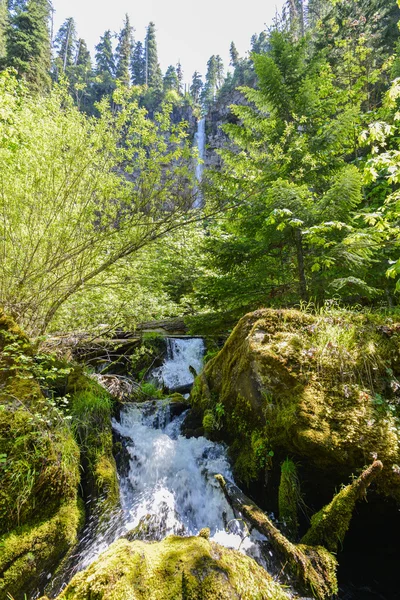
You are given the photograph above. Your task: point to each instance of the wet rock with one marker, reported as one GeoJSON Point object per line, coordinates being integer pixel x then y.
{"type": "Point", "coordinates": [177, 567]}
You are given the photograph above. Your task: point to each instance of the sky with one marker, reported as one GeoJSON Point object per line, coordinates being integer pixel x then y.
{"type": "Point", "coordinates": [187, 31]}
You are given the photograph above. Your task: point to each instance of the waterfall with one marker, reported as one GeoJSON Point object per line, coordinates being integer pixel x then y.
{"type": "Point", "coordinates": [168, 485]}
{"type": "Point", "coordinates": [200, 138]}
{"type": "Point", "coordinates": [175, 373]}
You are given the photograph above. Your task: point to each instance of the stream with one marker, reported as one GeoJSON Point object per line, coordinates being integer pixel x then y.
{"type": "Point", "coordinates": [168, 481]}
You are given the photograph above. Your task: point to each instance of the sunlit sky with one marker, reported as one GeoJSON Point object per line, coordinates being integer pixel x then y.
{"type": "Point", "coordinates": [187, 31]}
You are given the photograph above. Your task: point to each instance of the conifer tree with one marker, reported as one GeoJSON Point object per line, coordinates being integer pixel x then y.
{"type": "Point", "coordinates": [104, 83]}
{"type": "Point", "coordinates": [124, 52]}
{"type": "Point", "coordinates": [3, 29]}
{"type": "Point", "coordinates": [234, 54]}
{"type": "Point", "coordinates": [219, 71]}
{"type": "Point", "coordinates": [105, 62]}
{"type": "Point", "coordinates": [153, 70]}
{"type": "Point", "coordinates": [28, 43]}
{"type": "Point", "coordinates": [196, 86]}
{"type": "Point", "coordinates": [179, 73]}
{"type": "Point", "coordinates": [80, 75]}
{"type": "Point", "coordinates": [138, 65]}
{"type": "Point", "coordinates": [211, 85]}
{"type": "Point", "coordinates": [259, 43]}
{"type": "Point", "coordinates": [65, 43]}
{"type": "Point", "coordinates": [170, 81]}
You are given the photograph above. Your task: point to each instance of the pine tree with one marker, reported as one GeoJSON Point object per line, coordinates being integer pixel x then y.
{"type": "Point", "coordinates": [80, 75]}
{"type": "Point", "coordinates": [105, 62]}
{"type": "Point", "coordinates": [124, 52]}
{"type": "Point", "coordinates": [179, 73]}
{"type": "Point", "coordinates": [295, 9]}
{"type": "Point", "coordinates": [104, 83]}
{"type": "Point", "coordinates": [154, 74]}
{"type": "Point", "coordinates": [259, 43]}
{"type": "Point", "coordinates": [3, 28]}
{"type": "Point", "coordinates": [211, 85]}
{"type": "Point", "coordinates": [138, 65]}
{"type": "Point", "coordinates": [219, 71]}
{"type": "Point", "coordinates": [28, 43]}
{"type": "Point", "coordinates": [65, 43]}
{"type": "Point", "coordinates": [196, 87]}
{"type": "Point", "coordinates": [170, 81]}
{"type": "Point", "coordinates": [234, 54]}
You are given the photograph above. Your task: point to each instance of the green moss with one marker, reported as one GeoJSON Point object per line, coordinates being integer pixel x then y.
{"type": "Point", "coordinates": [289, 498]}
{"type": "Point", "coordinates": [311, 569]}
{"type": "Point", "coordinates": [323, 388]}
{"type": "Point", "coordinates": [39, 518]}
{"type": "Point", "coordinates": [29, 551]}
{"type": "Point", "coordinates": [187, 568]}
{"type": "Point", "coordinates": [329, 526]}
{"type": "Point", "coordinates": [41, 456]}
{"type": "Point", "coordinates": [91, 411]}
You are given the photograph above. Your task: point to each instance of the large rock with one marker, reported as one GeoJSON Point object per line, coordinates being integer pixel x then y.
{"type": "Point", "coordinates": [323, 389]}
{"type": "Point", "coordinates": [39, 469]}
{"type": "Point", "coordinates": [186, 568]}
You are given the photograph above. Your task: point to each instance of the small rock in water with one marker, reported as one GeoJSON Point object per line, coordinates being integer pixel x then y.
{"type": "Point", "coordinates": [205, 533]}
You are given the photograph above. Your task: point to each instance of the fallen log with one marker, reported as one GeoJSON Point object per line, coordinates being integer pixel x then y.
{"type": "Point", "coordinates": [313, 569]}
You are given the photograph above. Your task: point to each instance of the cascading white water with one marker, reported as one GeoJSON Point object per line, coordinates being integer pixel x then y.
{"type": "Point", "coordinates": [200, 138]}
{"type": "Point", "coordinates": [172, 478]}
{"type": "Point", "coordinates": [170, 481]}
{"type": "Point", "coordinates": [181, 354]}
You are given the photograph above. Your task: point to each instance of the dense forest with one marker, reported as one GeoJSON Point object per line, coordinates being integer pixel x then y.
{"type": "Point", "coordinates": [236, 237]}
{"type": "Point", "coordinates": [301, 206]}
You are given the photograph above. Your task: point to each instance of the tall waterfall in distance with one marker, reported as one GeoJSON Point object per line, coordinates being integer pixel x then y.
{"type": "Point", "coordinates": [200, 138]}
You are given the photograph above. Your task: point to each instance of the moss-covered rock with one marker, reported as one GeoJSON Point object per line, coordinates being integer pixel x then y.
{"type": "Point", "coordinates": [30, 553]}
{"type": "Point", "coordinates": [39, 468]}
{"type": "Point", "coordinates": [91, 409]}
{"type": "Point", "coordinates": [187, 568]}
{"type": "Point", "coordinates": [324, 389]}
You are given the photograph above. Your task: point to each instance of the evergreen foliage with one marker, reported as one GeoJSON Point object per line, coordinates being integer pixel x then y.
{"type": "Point", "coordinates": [65, 43]}
{"type": "Point", "coordinates": [3, 29]}
{"type": "Point", "coordinates": [124, 53]}
{"type": "Point", "coordinates": [153, 70]}
{"type": "Point", "coordinates": [105, 69]}
{"type": "Point", "coordinates": [196, 86]}
{"type": "Point", "coordinates": [138, 66]}
{"type": "Point", "coordinates": [28, 43]}
{"type": "Point", "coordinates": [171, 81]}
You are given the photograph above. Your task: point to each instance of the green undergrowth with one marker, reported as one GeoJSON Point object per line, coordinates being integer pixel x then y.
{"type": "Point", "coordinates": [188, 568]}
{"type": "Point", "coordinates": [324, 388]}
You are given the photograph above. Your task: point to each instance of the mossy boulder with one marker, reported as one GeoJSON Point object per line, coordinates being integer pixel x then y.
{"type": "Point", "coordinates": [30, 553]}
{"type": "Point", "coordinates": [321, 389]}
{"type": "Point", "coordinates": [188, 568]}
{"type": "Point", "coordinates": [39, 468]}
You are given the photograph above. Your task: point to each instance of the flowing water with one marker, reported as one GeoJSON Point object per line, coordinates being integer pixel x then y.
{"type": "Point", "coordinates": [168, 481]}
{"type": "Point", "coordinates": [182, 354]}
{"type": "Point", "coordinates": [200, 139]}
